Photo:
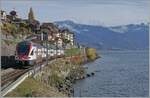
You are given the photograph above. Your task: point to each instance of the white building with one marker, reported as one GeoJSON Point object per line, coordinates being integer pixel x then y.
{"type": "Point", "coordinates": [3, 15]}
{"type": "Point", "coordinates": [59, 42]}
{"type": "Point", "coordinates": [68, 35]}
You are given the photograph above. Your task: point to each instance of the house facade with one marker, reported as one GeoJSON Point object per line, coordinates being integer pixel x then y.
{"type": "Point", "coordinates": [68, 36]}
{"type": "Point", "coordinates": [3, 15]}
{"type": "Point", "coordinates": [54, 35]}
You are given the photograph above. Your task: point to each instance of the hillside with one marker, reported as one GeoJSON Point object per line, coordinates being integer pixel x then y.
{"type": "Point", "coordinates": [132, 36]}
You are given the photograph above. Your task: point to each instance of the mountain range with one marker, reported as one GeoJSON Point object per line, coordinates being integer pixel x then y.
{"type": "Point", "coordinates": [130, 37]}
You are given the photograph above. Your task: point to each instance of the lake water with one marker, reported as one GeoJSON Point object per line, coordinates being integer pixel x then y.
{"type": "Point", "coordinates": [117, 73]}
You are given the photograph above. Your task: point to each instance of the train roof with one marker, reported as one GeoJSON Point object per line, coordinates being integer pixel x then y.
{"type": "Point", "coordinates": [42, 46]}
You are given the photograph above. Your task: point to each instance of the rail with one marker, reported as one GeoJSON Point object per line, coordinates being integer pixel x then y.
{"type": "Point", "coordinates": [12, 80]}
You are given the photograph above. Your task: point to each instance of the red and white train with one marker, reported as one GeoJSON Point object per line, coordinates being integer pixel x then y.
{"type": "Point", "coordinates": [30, 53]}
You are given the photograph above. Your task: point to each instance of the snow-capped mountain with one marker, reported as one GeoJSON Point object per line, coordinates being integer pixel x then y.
{"type": "Point", "coordinates": [133, 36]}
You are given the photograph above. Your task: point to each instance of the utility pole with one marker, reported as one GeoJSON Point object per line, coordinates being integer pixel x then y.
{"type": "Point", "coordinates": [46, 48]}
{"type": "Point", "coordinates": [42, 36]}
{"type": "Point", "coordinates": [45, 40]}
{"type": "Point", "coordinates": [56, 47]}
{"type": "Point", "coordinates": [84, 53]}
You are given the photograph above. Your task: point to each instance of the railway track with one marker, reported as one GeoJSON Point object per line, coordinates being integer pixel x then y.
{"type": "Point", "coordinates": [10, 80]}
{"type": "Point", "coordinates": [10, 77]}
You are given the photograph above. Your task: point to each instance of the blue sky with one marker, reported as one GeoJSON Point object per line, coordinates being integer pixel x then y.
{"type": "Point", "coordinates": [94, 12]}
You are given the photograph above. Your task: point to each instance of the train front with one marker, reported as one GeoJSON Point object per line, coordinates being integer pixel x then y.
{"type": "Point", "coordinates": [22, 52]}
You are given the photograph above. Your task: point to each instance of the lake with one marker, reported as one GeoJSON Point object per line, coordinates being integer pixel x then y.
{"type": "Point", "coordinates": [117, 74]}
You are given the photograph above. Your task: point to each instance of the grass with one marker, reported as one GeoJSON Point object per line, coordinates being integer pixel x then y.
{"type": "Point", "coordinates": [73, 51]}
{"type": "Point", "coordinates": [57, 72]}
{"type": "Point", "coordinates": [32, 88]}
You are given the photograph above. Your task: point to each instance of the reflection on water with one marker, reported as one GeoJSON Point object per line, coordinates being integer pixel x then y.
{"type": "Point", "coordinates": [117, 73]}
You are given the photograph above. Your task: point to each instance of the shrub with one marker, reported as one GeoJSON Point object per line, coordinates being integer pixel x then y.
{"type": "Point", "coordinates": [91, 53]}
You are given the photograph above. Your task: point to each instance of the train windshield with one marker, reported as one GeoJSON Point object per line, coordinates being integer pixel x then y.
{"type": "Point", "coordinates": [23, 48]}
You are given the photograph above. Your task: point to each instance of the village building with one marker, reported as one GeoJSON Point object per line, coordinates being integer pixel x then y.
{"type": "Point", "coordinates": [61, 38]}
{"type": "Point", "coordinates": [13, 14]}
{"type": "Point", "coordinates": [12, 17]}
{"type": "Point", "coordinates": [60, 43]}
{"type": "Point", "coordinates": [53, 33]}
{"type": "Point", "coordinates": [47, 28]}
{"type": "Point", "coordinates": [32, 22]}
{"type": "Point", "coordinates": [68, 37]}
{"type": "Point", "coordinates": [3, 16]}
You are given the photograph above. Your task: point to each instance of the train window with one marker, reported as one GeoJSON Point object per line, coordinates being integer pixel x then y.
{"type": "Point", "coordinates": [39, 51]}
{"type": "Point", "coordinates": [32, 53]}
{"type": "Point", "coordinates": [23, 48]}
